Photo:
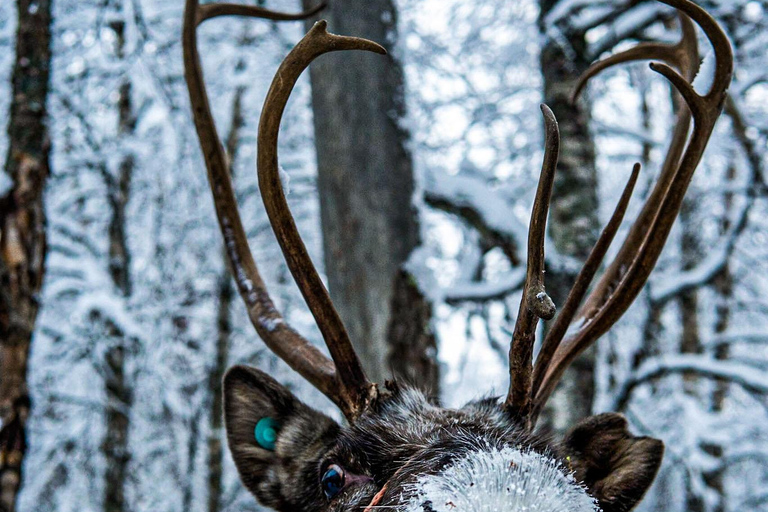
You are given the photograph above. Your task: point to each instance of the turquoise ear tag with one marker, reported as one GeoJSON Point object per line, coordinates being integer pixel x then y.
{"type": "Point", "coordinates": [266, 433]}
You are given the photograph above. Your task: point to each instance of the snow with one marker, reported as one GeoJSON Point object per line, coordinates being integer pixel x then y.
{"type": "Point", "coordinates": [472, 98]}
{"type": "Point", "coordinates": [285, 180]}
{"type": "Point", "coordinates": [509, 479]}
{"type": "Point", "coordinates": [270, 324]}
{"type": "Point", "coordinates": [753, 379]}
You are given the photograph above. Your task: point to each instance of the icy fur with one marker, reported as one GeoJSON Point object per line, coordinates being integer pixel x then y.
{"type": "Point", "coordinates": [506, 480]}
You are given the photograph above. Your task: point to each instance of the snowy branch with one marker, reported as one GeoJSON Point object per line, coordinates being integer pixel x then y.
{"type": "Point", "coordinates": [750, 378]}
{"type": "Point", "coordinates": [484, 291]}
{"type": "Point", "coordinates": [717, 259]}
{"type": "Point", "coordinates": [491, 215]}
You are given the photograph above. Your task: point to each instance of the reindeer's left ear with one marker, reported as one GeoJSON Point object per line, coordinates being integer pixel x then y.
{"type": "Point", "coordinates": [616, 467]}
{"type": "Point", "coordinates": [276, 440]}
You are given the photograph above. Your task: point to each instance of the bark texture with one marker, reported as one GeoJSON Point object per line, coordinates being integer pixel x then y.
{"type": "Point", "coordinates": [365, 182]}
{"type": "Point", "coordinates": [412, 344]}
{"type": "Point", "coordinates": [22, 233]}
{"type": "Point", "coordinates": [573, 223]}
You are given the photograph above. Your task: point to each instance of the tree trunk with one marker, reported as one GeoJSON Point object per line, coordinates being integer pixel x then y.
{"type": "Point", "coordinates": [22, 233]}
{"type": "Point", "coordinates": [574, 223]}
{"type": "Point", "coordinates": [690, 341]}
{"type": "Point", "coordinates": [365, 183]}
{"type": "Point", "coordinates": [115, 443]}
{"type": "Point", "coordinates": [119, 390]}
{"type": "Point", "coordinates": [723, 286]}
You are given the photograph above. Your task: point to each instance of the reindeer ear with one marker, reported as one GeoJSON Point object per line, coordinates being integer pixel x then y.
{"type": "Point", "coordinates": [616, 467]}
{"type": "Point", "coordinates": [276, 441]}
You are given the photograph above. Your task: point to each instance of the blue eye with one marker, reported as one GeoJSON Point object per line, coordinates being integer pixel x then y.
{"type": "Point", "coordinates": [333, 481]}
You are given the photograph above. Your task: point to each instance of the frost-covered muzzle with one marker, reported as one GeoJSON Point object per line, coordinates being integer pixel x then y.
{"type": "Point", "coordinates": [499, 480]}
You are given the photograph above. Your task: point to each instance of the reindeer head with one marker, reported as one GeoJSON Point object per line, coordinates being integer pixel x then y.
{"type": "Point", "coordinates": [400, 451]}
{"type": "Point", "coordinates": [407, 454]}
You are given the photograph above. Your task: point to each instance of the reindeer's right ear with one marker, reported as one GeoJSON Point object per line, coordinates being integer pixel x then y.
{"type": "Point", "coordinates": [616, 467]}
{"type": "Point", "coordinates": [277, 442]}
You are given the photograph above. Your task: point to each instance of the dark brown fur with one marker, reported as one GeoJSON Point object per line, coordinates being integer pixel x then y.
{"type": "Point", "coordinates": [404, 437]}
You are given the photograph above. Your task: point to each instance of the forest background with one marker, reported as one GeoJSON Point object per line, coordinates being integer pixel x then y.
{"type": "Point", "coordinates": [411, 178]}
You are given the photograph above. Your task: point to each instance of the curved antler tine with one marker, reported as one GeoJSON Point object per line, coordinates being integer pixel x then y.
{"type": "Point", "coordinates": [581, 285]}
{"type": "Point", "coordinates": [286, 343]}
{"type": "Point", "coordinates": [691, 97]}
{"type": "Point", "coordinates": [682, 55]}
{"type": "Point", "coordinates": [357, 391]}
{"type": "Point", "coordinates": [535, 303]}
{"type": "Point", "coordinates": [537, 299]}
{"type": "Point", "coordinates": [628, 273]}
{"type": "Point", "coordinates": [644, 51]}
{"type": "Point", "coordinates": [214, 10]}
{"type": "Point", "coordinates": [719, 42]}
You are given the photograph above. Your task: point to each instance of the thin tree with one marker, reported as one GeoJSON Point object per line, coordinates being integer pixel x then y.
{"type": "Point", "coordinates": [118, 387]}
{"type": "Point", "coordinates": [22, 233]}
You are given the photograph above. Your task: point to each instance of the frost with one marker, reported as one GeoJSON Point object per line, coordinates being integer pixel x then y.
{"type": "Point", "coordinates": [703, 81]}
{"type": "Point", "coordinates": [509, 479]}
{"type": "Point", "coordinates": [270, 324]}
{"type": "Point", "coordinates": [285, 180]}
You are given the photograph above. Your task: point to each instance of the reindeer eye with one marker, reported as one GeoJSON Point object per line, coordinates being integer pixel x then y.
{"type": "Point", "coordinates": [333, 481]}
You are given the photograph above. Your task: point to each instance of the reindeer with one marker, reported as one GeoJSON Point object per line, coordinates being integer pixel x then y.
{"type": "Point", "coordinates": [399, 450]}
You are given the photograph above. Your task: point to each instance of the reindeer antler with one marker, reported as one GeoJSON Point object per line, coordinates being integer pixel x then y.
{"type": "Point", "coordinates": [535, 302]}
{"type": "Point", "coordinates": [355, 388]}
{"type": "Point", "coordinates": [342, 380]}
{"type": "Point", "coordinates": [628, 273]}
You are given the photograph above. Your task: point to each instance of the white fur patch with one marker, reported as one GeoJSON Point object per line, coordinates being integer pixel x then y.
{"type": "Point", "coordinates": [506, 480]}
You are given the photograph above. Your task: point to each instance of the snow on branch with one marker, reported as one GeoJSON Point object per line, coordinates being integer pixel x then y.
{"type": "Point", "coordinates": [668, 287]}
{"type": "Point", "coordinates": [491, 215]}
{"type": "Point", "coordinates": [565, 9]}
{"type": "Point", "coordinates": [750, 378]}
{"type": "Point", "coordinates": [485, 291]}
{"type": "Point", "coordinates": [628, 25]}
{"type": "Point", "coordinates": [750, 337]}
{"type": "Point", "coordinates": [488, 212]}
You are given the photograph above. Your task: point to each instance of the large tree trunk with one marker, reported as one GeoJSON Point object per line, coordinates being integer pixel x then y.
{"type": "Point", "coordinates": [22, 233]}
{"type": "Point", "coordinates": [574, 223]}
{"type": "Point", "coordinates": [365, 182]}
